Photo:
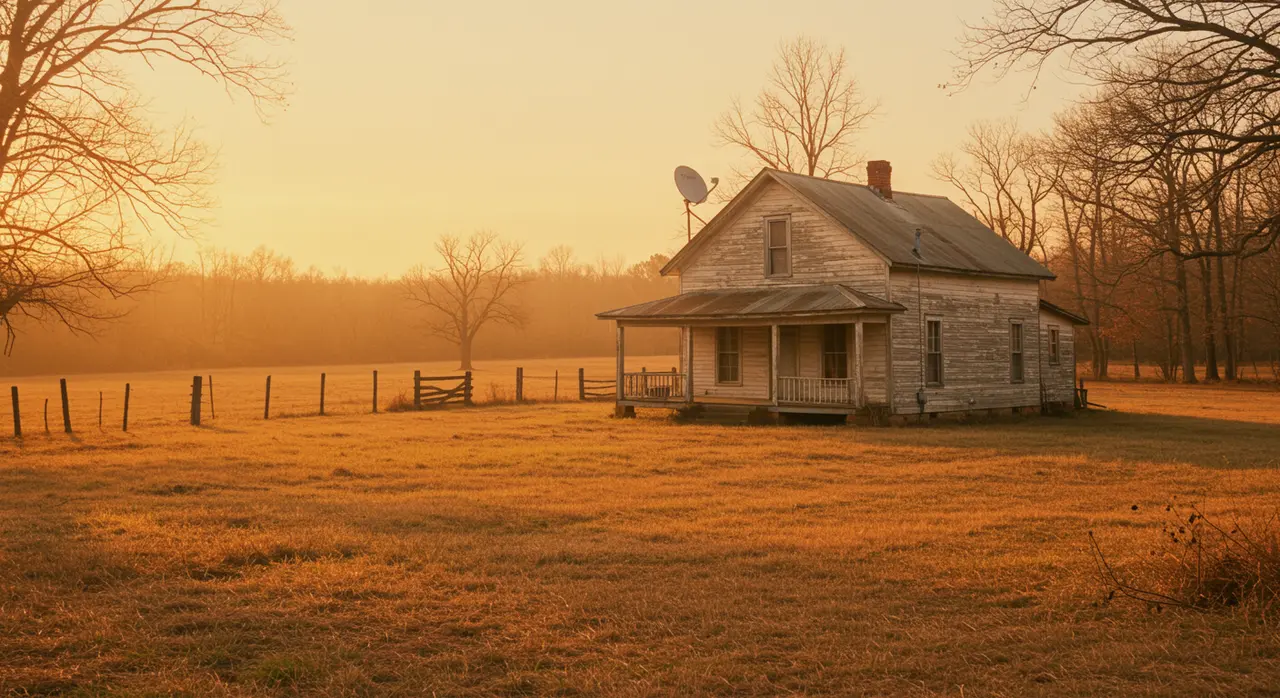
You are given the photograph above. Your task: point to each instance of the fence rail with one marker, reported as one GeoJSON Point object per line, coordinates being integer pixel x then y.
{"type": "Point", "coordinates": [595, 388]}
{"type": "Point", "coordinates": [816, 391]}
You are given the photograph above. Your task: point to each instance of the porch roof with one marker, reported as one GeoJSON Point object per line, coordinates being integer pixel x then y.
{"type": "Point", "coordinates": [779, 302]}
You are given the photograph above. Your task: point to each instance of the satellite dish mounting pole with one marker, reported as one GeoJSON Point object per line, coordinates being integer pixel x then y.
{"type": "Point", "coordinates": [694, 191]}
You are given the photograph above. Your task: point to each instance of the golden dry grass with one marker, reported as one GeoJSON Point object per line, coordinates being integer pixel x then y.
{"type": "Point", "coordinates": [552, 550]}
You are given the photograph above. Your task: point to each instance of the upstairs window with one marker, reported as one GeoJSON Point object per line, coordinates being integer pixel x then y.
{"type": "Point", "coordinates": [1017, 368]}
{"type": "Point", "coordinates": [933, 352]}
{"type": "Point", "coordinates": [729, 355]}
{"type": "Point", "coordinates": [835, 351]}
{"type": "Point", "coordinates": [777, 242]}
{"type": "Point", "coordinates": [1054, 343]}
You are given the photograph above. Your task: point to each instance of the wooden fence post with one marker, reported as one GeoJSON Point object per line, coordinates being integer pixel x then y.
{"type": "Point", "coordinates": [466, 389]}
{"type": "Point", "coordinates": [125, 425]}
{"type": "Point", "coordinates": [375, 391]}
{"type": "Point", "coordinates": [555, 391]}
{"type": "Point", "coordinates": [519, 384]}
{"type": "Point", "coordinates": [322, 378]}
{"type": "Point", "coordinates": [66, 407]}
{"type": "Point", "coordinates": [212, 414]}
{"type": "Point", "coordinates": [582, 384]}
{"type": "Point", "coordinates": [99, 410]}
{"type": "Point", "coordinates": [197, 385]}
{"type": "Point", "coordinates": [266, 405]}
{"type": "Point", "coordinates": [17, 416]}
{"type": "Point", "coordinates": [417, 390]}
{"type": "Point", "coordinates": [46, 415]}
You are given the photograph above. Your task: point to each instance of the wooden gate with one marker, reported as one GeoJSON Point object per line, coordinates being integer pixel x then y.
{"type": "Point", "coordinates": [435, 391]}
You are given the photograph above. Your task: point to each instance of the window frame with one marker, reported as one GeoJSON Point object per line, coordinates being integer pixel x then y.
{"type": "Point", "coordinates": [769, 247]}
{"type": "Point", "coordinates": [941, 353]}
{"type": "Point", "coordinates": [1055, 345]}
{"type": "Point", "coordinates": [720, 352]}
{"type": "Point", "coordinates": [1018, 368]}
{"type": "Point", "coordinates": [844, 345]}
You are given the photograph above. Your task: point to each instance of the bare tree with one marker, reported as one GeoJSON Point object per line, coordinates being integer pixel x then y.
{"type": "Point", "coordinates": [81, 169]}
{"type": "Point", "coordinates": [1086, 183]}
{"type": "Point", "coordinates": [265, 265]}
{"type": "Point", "coordinates": [1004, 181]}
{"type": "Point", "coordinates": [470, 291]}
{"type": "Point", "coordinates": [608, 267]}
{"type": "Point", "coordinates": [650, 268]}
{"type": "Point", "coordinates": [559, 263]}
{"type": "Point", "coordinates": [1180, 57]}
{"type": "Point", "coordinates": [806, 118]}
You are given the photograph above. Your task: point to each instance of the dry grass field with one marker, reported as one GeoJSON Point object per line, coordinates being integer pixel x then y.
{"type": "Point", "coordinates": [549, 549]}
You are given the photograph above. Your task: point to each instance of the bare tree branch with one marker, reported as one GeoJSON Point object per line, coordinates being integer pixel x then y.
{"type": "Point", "coordinates": [82, 172]}
{"type": "Point", "coordinates": [807, 117]}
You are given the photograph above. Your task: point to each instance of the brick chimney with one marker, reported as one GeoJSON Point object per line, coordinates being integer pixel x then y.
{"type": "Point", "coordinates": [880, 177]}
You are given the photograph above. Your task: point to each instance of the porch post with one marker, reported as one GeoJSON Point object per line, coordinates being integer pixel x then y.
{"type": "Point", "coordinates": [622, 350]}
{"type": "Point", "coordinates": [775, 343]}
{"type": "Point", "coordinates": [688, 367]}
{"type": "Point", "coordinates": [857, 364]}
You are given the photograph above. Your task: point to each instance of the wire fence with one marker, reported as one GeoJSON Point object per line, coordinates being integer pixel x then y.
{"type": "Point", "coordinates": [206, 400]}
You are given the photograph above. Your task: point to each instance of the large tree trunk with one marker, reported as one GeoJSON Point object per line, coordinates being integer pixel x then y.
{"type": "Point", "coordinates": [1185, 340]}
{"type": "Point", "coordinates": [464, 348]}
{"type": "Point", "coordinates": [1226, 320]}
{"type": "Point", "coordinates": [1210, 331]}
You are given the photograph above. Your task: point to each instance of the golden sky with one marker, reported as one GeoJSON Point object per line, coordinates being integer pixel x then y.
{"type": "Point", "coordinates": [554, 122]}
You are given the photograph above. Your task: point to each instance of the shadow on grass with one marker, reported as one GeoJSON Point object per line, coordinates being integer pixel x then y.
{"type": "Point", "coordinates": [1105, 436]}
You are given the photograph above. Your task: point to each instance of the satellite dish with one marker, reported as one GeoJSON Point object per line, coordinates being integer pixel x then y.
{"type": "Point", "coordinates": [691, 185]}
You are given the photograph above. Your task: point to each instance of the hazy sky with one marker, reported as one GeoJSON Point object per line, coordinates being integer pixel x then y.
{"type": "Point", "coordinates": [555, 122]}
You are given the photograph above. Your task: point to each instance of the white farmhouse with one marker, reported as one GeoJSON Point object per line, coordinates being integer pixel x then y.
{"type": "Point", "coordinates": [808, 295]}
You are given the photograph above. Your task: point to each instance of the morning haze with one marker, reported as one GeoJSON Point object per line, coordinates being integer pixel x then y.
{"type": "Point", "coordinates": [552, 123]}
{"type": "Point", "coordinates": [362, 349]}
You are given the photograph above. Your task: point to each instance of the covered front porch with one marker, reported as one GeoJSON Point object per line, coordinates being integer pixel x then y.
{"type": "Point", "coordinates": [799, 349]}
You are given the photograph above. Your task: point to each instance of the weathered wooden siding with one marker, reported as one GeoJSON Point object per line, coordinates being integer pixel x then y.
{"type": "Point", "coordinates": [756, 359]}
{"type": "Point", "coordinates": [976, 313]}
{"type": "Point", "coordinates": [1059, 379]}
{"type": "Point", "coordinates": [822, 253]}
{"type": "Point", "coordinates": [873, 363]}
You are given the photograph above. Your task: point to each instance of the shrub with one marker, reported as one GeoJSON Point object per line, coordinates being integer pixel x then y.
{"type": "Point", "coordinates": [499, 395]}
{"type": "Point", "coordinates": [400, 403]}
{"type": "Point", "coordinates": [1203, 563]}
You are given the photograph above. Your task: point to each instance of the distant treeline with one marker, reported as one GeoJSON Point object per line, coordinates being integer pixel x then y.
{"type": "Point", "coordinates": [256, 310]}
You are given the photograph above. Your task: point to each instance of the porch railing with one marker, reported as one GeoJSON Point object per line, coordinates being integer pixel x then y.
{"type": "Point", "coordinates": [816, 391]}
{"type": "Point", "coordinates": [653, 385]}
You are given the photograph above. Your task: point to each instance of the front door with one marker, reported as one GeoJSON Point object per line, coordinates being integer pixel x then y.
{"type": "Point", "coordinates": [789, 352]}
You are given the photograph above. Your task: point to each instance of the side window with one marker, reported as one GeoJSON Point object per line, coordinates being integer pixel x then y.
{"type": "Point", "coordinates": [777, 242]}
{"type": "Point", "coordinates": [729, 355]}
{"type": "Point", "coordinates": [933, 348]}
{"type": "Point", "coordinates": [1054, 343]}
{"type": "Point", "coordinates": [1017, 368]}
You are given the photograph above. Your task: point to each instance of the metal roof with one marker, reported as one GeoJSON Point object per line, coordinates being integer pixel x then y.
{"type": "Point", "coordinates": [1063, 312]}
{"type": "Point", "coordinates": [756, 303]}
{"type": "Point", "coordinates": [951, 239]}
